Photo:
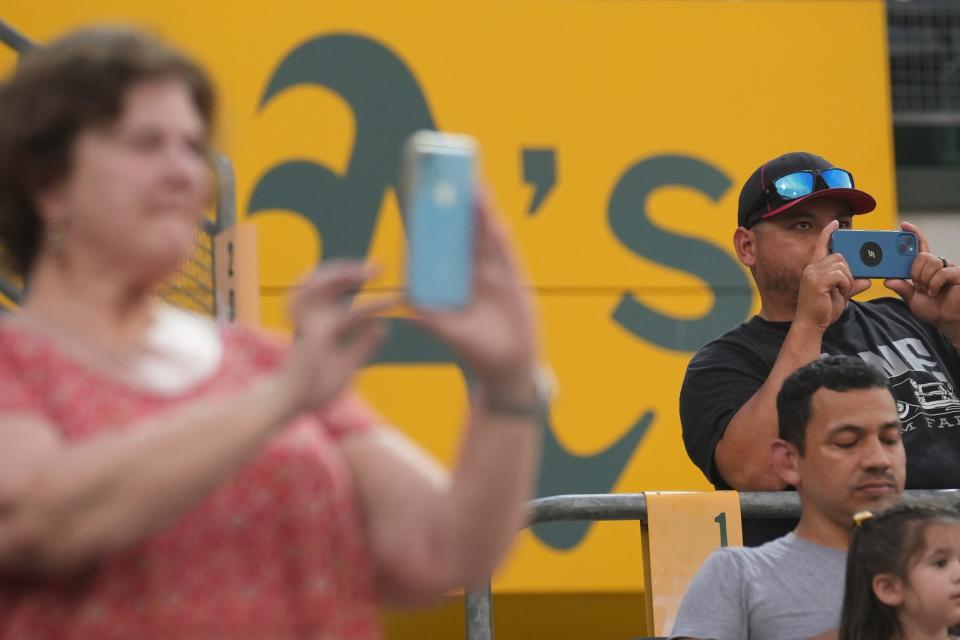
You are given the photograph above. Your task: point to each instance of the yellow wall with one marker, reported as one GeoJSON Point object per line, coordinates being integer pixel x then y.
{"type": "Point", "coordinates": [684, 98]}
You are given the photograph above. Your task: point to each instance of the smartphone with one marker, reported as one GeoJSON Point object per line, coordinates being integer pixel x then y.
{"type": "Point", "coordinates": [438, 188]}
{"type": "Point", "coordinates": [876, 254]}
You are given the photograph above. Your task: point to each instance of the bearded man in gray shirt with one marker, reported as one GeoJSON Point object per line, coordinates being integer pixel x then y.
{"type": "Point", "coordinates": [840, 447]}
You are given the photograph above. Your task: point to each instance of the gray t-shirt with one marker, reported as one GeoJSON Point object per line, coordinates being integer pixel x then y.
{"type": "Point", "coordinates": [787, 589]}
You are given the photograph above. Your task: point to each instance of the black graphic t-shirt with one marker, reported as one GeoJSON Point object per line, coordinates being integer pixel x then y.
{"type": "Point", "coordinates": [922, 365]}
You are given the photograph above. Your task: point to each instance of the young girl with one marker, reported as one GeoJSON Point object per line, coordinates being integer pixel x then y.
{"type": "Point", "coordinates": [903, 575]}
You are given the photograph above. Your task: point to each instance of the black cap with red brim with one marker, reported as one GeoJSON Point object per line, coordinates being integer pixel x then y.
{"type": "Point", "coordinates": [758, 201]}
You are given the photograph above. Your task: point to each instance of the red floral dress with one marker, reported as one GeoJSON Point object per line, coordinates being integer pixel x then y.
{"type": "Point", "coordinates": [278, 551]}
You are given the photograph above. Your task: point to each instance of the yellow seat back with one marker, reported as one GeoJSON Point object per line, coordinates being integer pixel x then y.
{"type": "Point", "coordinates": [682, 529]}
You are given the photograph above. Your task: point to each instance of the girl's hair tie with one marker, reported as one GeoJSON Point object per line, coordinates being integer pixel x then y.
{"type": "Point", "coordinates": [861, 516]}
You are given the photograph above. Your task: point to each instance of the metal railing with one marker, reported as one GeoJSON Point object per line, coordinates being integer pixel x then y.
{"type": "Point", "coordinates": [14, 39]}
{"type": "Point", "coordinates": [478, 603]}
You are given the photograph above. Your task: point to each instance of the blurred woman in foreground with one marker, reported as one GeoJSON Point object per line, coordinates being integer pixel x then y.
{"type": "Point", "coordinates": [163, 477]}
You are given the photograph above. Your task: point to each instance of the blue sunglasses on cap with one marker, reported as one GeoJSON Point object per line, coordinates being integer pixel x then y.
{"type": "Point", "coordinates": [802, 183]}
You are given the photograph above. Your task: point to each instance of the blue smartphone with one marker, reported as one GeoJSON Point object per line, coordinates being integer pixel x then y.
{"type": "Point", "coordinates": [876, 254]}
{"type": "Point", "coordinates": [438, 185]}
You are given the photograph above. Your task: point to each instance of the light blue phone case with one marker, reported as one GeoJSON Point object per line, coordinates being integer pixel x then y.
{"type": "Point", "coordinates": [440, 228]}
{"type": "Point", "coordinates": [876, 254]}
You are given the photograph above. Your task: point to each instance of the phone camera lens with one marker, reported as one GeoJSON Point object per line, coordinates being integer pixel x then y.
{"type": "Point", "coordinates": [907, 244]}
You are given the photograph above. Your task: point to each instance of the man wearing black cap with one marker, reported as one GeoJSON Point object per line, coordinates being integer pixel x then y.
{"type": "Point", "coordinates": [788, 209]}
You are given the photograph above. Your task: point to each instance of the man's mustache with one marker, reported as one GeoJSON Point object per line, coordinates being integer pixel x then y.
{"type": "Point", "coordinates": [871, 477]}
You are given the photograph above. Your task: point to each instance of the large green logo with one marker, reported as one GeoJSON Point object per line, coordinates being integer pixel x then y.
{"type": "Point", "coordinates": [388, 105]}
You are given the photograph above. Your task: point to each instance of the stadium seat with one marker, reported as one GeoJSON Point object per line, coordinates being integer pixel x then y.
{"type": "Point", "coordinates": [681, 530]}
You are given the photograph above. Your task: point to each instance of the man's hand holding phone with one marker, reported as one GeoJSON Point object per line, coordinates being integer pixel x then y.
{"type": "Point", "coordinates": [826, 285]}
{"type": "Point", "coordinates": [931, 293]}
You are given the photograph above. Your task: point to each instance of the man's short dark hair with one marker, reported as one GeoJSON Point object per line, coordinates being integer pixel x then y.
{"type": "Point", "coordinates": [836, 373]}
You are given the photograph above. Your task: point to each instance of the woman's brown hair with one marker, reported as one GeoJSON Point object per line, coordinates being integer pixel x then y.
{"type": "Point", "coordinates": [76, 82]}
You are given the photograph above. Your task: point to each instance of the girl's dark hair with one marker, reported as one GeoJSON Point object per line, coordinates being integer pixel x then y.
{"type": "Point", "coordinates": [58, 90]}
{"type": "Point", "coordinates": [886, 543]}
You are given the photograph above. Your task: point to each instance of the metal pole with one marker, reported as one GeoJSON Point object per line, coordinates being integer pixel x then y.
{"type": "Point", "coordinates": [226, 192]}
{"type": "Point", "coordinates": [14, 39]}
{"type": "Point", "coordinates": [226, 218]}
{"type": "Point", "coordinates": [604, 506]}
{"type": "Point", "coordinates": [479, 610]}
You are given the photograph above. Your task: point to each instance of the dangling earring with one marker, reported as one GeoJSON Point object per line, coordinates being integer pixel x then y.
{"type": "Point", "coordinates": [54, 236]}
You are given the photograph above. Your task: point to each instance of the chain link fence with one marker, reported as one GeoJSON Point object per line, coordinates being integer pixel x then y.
{"type": "Point", "coordinates": [924, 45]}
